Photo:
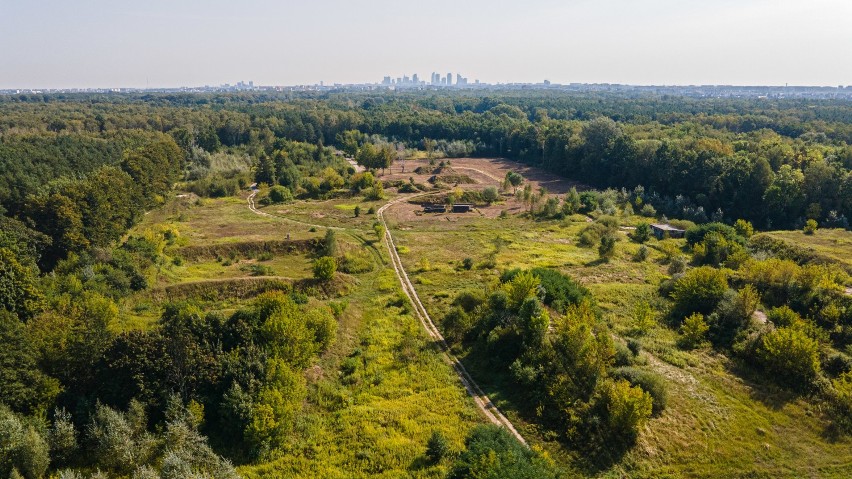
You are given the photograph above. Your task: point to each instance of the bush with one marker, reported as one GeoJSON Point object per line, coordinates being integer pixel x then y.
{"type": "Point", "coordinates": [642, 233]}
{"type": "Point", "coordinates": [649, 211]}
{"type": "Point", "coordinates": [280, 194]}
{"type": "Point", "coordinates": [693, 331]}
{"type": "Point", "coordinates": [490, 194]}
{"type": "Point", "coordinates": [698, 291]}
{"type": "Point", "coordinates": [467, 263]}
{"type": "Point", "coordinates": [606, 250]}
{"type": "Point", "coordinates": [491, 452]}
{"type": "Point", "coordinates": [810, 227]}
{"type": "Point", "coordinates": [324, 268]}
{"type": "Point", "coordinates": [650, 382]}
{"type": "Point", "coordinates": [560, 291]}
{"type": "Point", "coordinates": [841, 401]}
{"type": "Point", "coordinates": [641, 254]}
{"type": "Point", "coordinates": [791, 356]}
{"type": "Point", "coordinates": [625, 409]}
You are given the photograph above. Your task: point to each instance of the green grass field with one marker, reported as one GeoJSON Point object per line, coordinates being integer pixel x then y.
{"type": "Point", "coordinates": [835, 244]}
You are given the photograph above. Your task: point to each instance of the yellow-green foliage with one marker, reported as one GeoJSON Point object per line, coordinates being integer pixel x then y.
{"type": "Point", "coordinates": [693, 331]}
{"type": "Point", "coordinates": [791, 355]}
{"type": "Point", "coordinates": [522, 286]}
{"type": "Point", "coordinates": [699, 290]}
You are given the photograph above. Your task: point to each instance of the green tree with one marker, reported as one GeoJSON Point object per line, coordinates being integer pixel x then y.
{"type": "Point", "coordinates": [437, 448]}
{"type": "Point", "coordinates": [324, 268]}
{"type": "Point", "coordinates": [514, 180]}
{"type": "Point", "coordinates": [571, 203]}
{"type": "Point", "coordinates": [22, 448]}
{"type": "Point", "coordinates": [19, 293]}
{"type": "Point", "coordinates": [521, 287]}
{"type": "Point", "coordinates": [626, 409]}
{"type": "Point", "coordinates": [329, 243]}
{"type": "Point", "coordinates": [23, 386]}
{"type": "Point", "coordinates": [265, 172]}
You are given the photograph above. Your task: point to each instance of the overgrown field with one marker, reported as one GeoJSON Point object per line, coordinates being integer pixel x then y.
{"type": "Point", "coordinates": [719, 420]}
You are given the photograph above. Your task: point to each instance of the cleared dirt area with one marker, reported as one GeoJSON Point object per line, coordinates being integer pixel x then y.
{"type": "Point", "coordinates": [485, 171]}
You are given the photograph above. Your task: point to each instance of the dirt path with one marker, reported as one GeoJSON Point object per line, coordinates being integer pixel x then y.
{"type": "Point", "coordinates": [482, 402]}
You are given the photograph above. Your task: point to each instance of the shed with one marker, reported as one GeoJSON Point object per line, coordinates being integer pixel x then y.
{"type": "Point", "coordinates": [462, 208]}
{"type": "Point", "coordinates": [662, 231]}
{"type": "Point", "coordinates": [434, 208]}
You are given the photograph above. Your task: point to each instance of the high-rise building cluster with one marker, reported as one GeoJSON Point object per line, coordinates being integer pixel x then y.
{"type": "Point", "coordinates": [435, 80]}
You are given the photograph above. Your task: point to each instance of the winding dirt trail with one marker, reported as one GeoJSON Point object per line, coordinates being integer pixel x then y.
{"type": "Point", "coordinates": [489, 410]}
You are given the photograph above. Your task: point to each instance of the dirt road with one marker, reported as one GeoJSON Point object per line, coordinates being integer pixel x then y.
{"type": "Point", "coordinates": [482, 402]}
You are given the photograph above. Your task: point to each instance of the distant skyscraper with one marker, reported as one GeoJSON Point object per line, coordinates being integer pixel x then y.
{"type": "Point", "coordinates": [386, 81]}
{"type": "Point", "coordinates": [449, 79]}
{"type": "Point", "coordinates": [415, 79]}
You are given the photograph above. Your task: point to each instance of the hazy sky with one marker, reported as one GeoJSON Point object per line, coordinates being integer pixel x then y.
{"type": "Point", "coordinates": [103, 43]}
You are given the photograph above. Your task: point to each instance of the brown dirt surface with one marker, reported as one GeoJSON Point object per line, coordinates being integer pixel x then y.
{"type": "Point", "coordinates": [485, 171]}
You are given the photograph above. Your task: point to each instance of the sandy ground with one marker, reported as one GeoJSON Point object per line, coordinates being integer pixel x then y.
{"type": "Point", "coordinates": [483, 172]}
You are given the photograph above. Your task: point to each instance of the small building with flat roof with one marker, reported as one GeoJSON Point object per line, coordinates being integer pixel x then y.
{"type": "Point", "coordinates": [662, 231]}
{"type": "Point", "coordinates": [462, 208]}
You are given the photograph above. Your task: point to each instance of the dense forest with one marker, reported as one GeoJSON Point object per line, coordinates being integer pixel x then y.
{"type": "Point", "coordinates": [200, 391]}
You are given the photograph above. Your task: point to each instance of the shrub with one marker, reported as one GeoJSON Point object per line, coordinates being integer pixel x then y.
{"type": "Point", "coordinates": [641, 254]}
{"type": "Point", "coordinates": [357, 211]}
{"type": "Point", "coordinates": [324, 268]}
{"type": "Point", "coordinates": [606, 249]}
{"type": "Point", "coordinates": [810, 227]}
{"type": "Point", "coordinates": [643, 317]}
{"type": "Point", "coordinates": [649, 211]}
{"type": "Point", "coordinates": [791, 356]}
{"type": "Point", "coordinates": [625, 409]}
{"type": "Point", "coordinates": [783, 316]}
{"type": "Point", "coordinates": [491, 452]}
{"type": "Point", "coordinates": [490, 194]}
{"type": "Point", "coordinates": [841, 401]}
{"type": "Point", "coordinates": [280, 194]}
{"type": "Point", "coordinates": [467, 263]}
{"type": "Point", "coordinates": [696, 234]}
{"type": "Point", "coordinates": [642, 233]}
{"type": "Point", "coordinates": [693, 331]}
{"type": "Point", "coordinates": [699, 291]}
{"type": "Point", "coordinates": [560, 291]}
{"type": "Point", "coordinates": [650, 382]}
{"type": "Point", "coordinates": [744, 228]}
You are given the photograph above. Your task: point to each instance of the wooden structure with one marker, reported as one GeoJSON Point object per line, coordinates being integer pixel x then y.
{"type": "Point", "coordinates": [662, 231]}
{"type": "Point", "coordinates": [462, 208]}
